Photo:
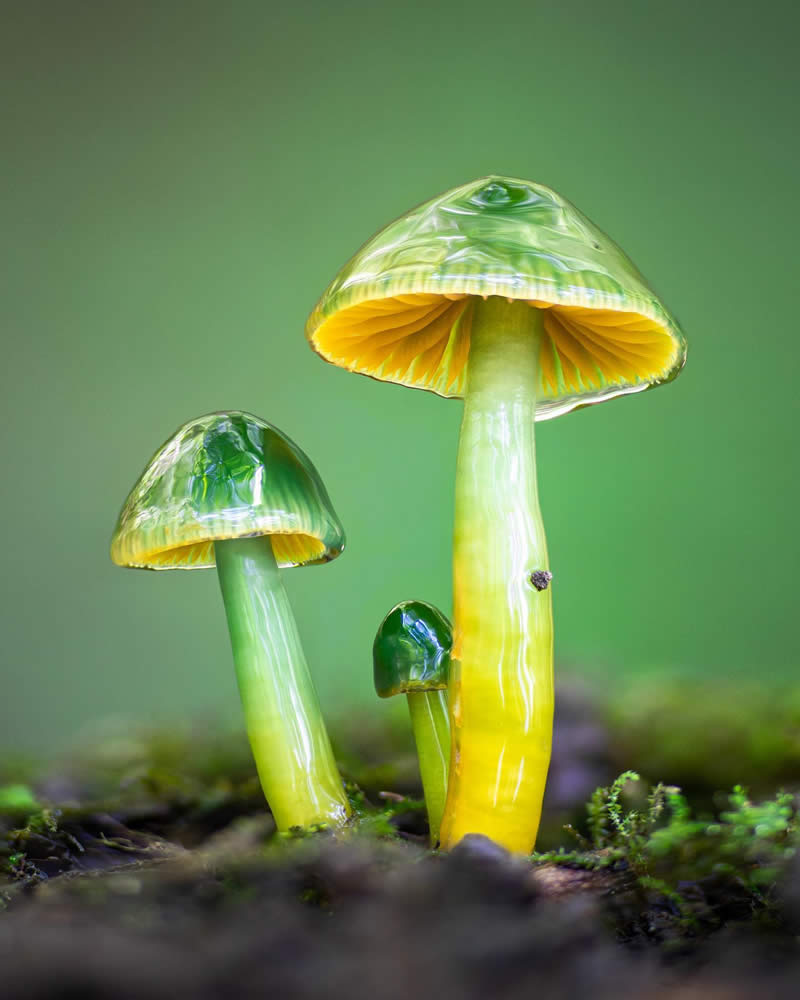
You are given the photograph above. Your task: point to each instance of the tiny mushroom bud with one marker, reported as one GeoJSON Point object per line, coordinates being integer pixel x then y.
{"type": "Point", "coordinates": [232, 491]}
{"type": "Point", "coordinates": [411, 656]}
{"type": "Point", "coordinates": [502, 293]}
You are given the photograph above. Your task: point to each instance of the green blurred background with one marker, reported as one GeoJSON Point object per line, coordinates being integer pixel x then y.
{"type": "Point", "coordinates": [180, 183]}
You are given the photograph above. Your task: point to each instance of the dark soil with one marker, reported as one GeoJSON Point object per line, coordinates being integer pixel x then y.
{"type": "Point", "coordinates": [138, 880]}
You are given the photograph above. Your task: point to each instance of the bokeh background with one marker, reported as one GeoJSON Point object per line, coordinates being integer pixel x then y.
{"type": "Point", "coordinates": [181, 181]}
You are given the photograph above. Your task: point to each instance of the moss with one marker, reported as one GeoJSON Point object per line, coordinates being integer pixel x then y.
{"type": "Point", "coordinates": [17, 798]}
{"type": "Point", "coordinates": [655, 836]}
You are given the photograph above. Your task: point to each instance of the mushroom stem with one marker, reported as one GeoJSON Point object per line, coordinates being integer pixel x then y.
{"type": "Point", "coordinates": [431, 726]}
{"type": "Point", "coordinates": [284, 723]}
{"type": "Point", "coordinates": [501, 678]}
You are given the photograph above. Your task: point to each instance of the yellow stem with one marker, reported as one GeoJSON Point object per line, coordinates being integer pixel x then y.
{"type": "Point", "coordinates": [501, 682]}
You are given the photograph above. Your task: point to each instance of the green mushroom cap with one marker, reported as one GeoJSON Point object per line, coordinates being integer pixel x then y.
{"type": "Point", "coordinates": [221, 476]}
{"type": "Point", "coordinates": [411, 652]}
{"type": "Point", "coordinates": [401, 309]}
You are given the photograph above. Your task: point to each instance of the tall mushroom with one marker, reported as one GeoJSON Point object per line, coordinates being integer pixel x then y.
{"type": "Point", "coordinates": [233, 491]}
{"type": "Point", "coordinates": [411, 656]}
{"type": "Point", "coordinates": [503, 293]}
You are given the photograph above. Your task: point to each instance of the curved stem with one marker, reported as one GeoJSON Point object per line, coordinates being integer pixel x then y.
{"type": "Point", "coordinates": [431, 725]}
{"type": "Point", "coordinates": [284, 724]}
{"type": "Point", "coordinates": [501, 679]}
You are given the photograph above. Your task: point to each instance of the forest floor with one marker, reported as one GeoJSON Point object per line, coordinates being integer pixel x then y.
{"type": "Point", "coordinates": [147, 866]}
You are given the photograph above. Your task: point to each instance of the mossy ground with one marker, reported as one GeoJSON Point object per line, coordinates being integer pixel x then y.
{"type": "Point", "coordinates": [148, 866]}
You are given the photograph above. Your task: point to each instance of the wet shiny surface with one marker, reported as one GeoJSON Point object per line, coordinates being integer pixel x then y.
{"type": "Point", "coordinates": [411, 656]}
{"type": "Point", "coordinates": [285, 727]}
{"type": "Point", "coordinates": [221, 476]}
{"type": "Point", "coordinates": [431, 724]}
{"type": "Point", "coordinates": [400, 309]}
{"type": "Point", "coordinates": [411, 651]}
{"type": "Point", "coordinates": [501, 678]}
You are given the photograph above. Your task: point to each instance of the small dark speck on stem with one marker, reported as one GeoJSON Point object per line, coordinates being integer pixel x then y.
{"type": "Point", "coordinates": [541, 578]}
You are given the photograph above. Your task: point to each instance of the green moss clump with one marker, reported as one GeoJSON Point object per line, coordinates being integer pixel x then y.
{"type": "Point", "coordinates": [17, 798]}
{"type": "Point", "coordinates": [658, 840]}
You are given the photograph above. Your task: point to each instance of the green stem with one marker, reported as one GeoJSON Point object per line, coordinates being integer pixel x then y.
{"type": "Point", "coordinates": [501, 677]}
{"type": "Point", "coordinates": [284, 724]}
{"type": "Point", "coordinates": [431, 725]}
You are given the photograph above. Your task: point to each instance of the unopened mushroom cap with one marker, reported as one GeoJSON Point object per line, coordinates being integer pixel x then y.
{"type": "Point", "coordinates": [411, 652]}
{"type": "Point", "coordinates": [401, 309]}
{"type": "Point", "coordinates": [226, 475]}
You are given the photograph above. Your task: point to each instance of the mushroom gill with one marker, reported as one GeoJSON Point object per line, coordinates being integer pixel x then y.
{"type": "Point", "coordinates": [422, 340]}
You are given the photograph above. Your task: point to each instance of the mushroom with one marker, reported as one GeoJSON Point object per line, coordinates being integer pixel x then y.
{"type": "Point", "coordinates": [503, 293]}
{"type": "Point", "coordinates": [411, 656]}
{"type": "Point", "coordinates": [231, 490]}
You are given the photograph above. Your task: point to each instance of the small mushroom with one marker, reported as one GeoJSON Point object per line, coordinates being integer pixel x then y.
{"type": "Point", "coordinates": [500, 292]}
{"type": "Point", "coordinates": [411, 656]}
{"type": "Point", "coordinates": [233, 491]}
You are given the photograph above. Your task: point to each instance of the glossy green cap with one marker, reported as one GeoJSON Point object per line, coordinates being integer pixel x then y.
{"type": "Point", "coordinates": [226, 475]}
{"type": "Point", "coordinates": [608, 333]}
{"type": "Point", "coordinates": [411, 651]}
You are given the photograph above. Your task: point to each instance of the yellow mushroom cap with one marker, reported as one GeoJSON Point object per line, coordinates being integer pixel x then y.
{"type": "Point", "coordinates": [401, 309]}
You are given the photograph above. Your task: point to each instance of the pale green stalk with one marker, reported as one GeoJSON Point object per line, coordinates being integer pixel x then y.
{"type": "Point", "coordinates": [431, 727]}
{"type": "Point", "coordinates": [284, 723]}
